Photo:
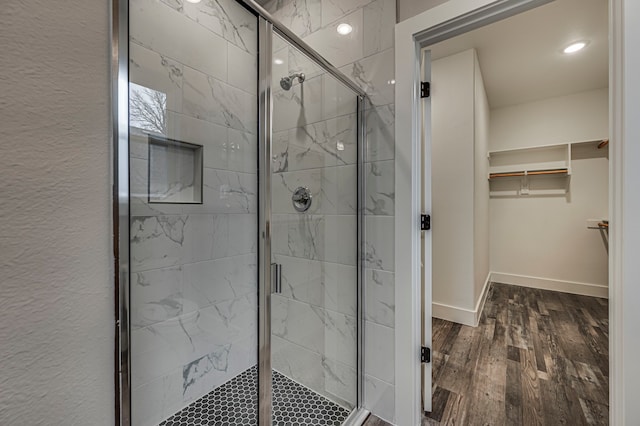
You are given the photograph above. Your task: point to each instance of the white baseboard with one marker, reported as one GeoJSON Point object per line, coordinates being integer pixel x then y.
{"type": "Point", "coordinates": [472, 317]}
{"type": "Point", "coordinates": [454, 314]}
{"type": "Point", "coordinates": [549, 284]}
{"type": "Point", "coordinates": [483, 298]}
{"type": "Point", "coordinates": [461, 315]}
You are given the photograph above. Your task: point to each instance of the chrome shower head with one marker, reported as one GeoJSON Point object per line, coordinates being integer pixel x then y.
{"type": "Point", "coordinates": [287, 82]}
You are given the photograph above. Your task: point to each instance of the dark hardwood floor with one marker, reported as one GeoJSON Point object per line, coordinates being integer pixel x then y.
{"type": "Point", "coordinates": [537, 358]}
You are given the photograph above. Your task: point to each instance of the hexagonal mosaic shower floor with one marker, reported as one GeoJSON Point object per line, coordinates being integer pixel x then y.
{"type": "Point", "coordinates": [236, 403]}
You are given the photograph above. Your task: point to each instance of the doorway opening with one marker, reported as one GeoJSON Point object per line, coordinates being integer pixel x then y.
{"type": "Point", "coordinates": [519, 196]}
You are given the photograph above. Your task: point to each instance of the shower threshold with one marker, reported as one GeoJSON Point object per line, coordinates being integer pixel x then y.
{"type": "Point", "coordinates": [236, 403]}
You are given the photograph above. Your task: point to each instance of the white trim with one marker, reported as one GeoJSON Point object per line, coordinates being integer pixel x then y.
{"type": "Point", "coordinates": [472, 317]}
{"type": "Point", "coordinates": [454, 314]}
{"type": "Point", "coordinates": [572, 287]}
{"type": "Point", "coordinates": [408, 313]}
{"type": "Point", "coordinates": [483, 298]}
{"type": "Point", "coordinates": [616, 177]}
{"type": "Point", "coordinates": [461, 315]}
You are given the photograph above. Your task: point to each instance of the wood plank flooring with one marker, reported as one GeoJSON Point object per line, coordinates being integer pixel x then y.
{"type": "Point", "coordinates": [537, 358]}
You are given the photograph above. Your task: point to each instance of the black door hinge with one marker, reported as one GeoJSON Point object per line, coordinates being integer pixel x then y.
{"type": "Point", "coordinates": [425, 89]}
{"type": "Point", "coordinates": [425, 222]}
{"type": "Point", "coordinates": [425, 354]}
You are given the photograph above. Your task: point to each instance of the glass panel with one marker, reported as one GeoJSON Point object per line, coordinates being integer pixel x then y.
{"type": "Point", "coordinates": [193, 117]}
{"type": "Point", "coordinates": [314, 240]}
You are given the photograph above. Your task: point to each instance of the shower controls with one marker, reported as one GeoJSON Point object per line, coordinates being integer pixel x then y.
{"type": "Point", "coordinates": [301, 199]}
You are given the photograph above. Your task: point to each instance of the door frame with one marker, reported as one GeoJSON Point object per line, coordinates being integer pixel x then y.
{"type": "Point", "coordinates": [448, 20]}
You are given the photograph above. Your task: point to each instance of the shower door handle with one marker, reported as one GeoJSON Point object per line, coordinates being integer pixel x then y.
{"type": "Point", "coordinates": [276, 278]}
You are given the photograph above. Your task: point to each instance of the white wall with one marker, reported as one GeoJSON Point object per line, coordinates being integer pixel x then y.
{"type": "Point", "coordinates": [460, 126]}
{"type": "Point", "coordinates": [482, 118]}
{"type": "Point", "coordinates": [625, 313]}
{"type": "Point", "coordinates": [452, 118]}
{"type": "Point", "coordinates": [56, 291]}
{"type": "Point", "coordinates": [409, 8]}
{"type": "Point", "coordinates": [578, 117]}
{"type": "Point", "coordinates": [546, 236]}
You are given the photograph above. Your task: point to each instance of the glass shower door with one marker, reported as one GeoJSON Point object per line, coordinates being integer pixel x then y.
{"type": "Point", "coordinates": [314, 209]}
{"type": "Point", "coordinates": [193, 212]}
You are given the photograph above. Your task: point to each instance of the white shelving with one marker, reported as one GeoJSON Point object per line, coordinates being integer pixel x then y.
{"type": "Point", "coordinates": [530, 160]}
{"type": "Point", "coordinates": [535, 170]}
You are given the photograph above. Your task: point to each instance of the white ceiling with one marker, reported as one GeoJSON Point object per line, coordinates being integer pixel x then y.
{"type": "Point", "coordinates": [521, 57]}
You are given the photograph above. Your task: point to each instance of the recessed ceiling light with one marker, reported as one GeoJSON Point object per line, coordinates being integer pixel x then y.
{"type": "Point", "coordinates": [194, 1]}
{"type": "Point", "coordinates": [344, 29]}
{"type": "Point", "coordinates": [278, 61]}
{"type": "Point", "coordinates": [574, 47]}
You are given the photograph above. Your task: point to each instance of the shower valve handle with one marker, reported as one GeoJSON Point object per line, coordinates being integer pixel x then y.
{"type": "Point", "coordinates": [301, 199]}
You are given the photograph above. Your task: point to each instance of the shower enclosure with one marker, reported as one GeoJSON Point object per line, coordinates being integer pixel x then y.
{"type": "Point", "coordinates": [239, 186]}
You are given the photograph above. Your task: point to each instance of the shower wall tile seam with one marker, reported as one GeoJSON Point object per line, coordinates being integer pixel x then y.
{"type": "Point", "coordinates": [182, 63]}
{"type": "Point", "coordinates": [322, 355]}
{"type": "Point", "coordinates": [379, 379]}
{"type": "Point", "coordinates": [317, 168]}
{"type": "Point", "coordinates": [195, 262]}
{"type": "Point", "coordinates": [346, 13]}
{"type": "Point", "coordinates": [225, 81]}
{"type": "Point", "coordinates": [316, 260]}
{"type": "Point", "coordinates": [195, 21]}
{"type": "Point", "coordinates": [332, 311]}
{"type": "Point", "coordinates": [387, 50]}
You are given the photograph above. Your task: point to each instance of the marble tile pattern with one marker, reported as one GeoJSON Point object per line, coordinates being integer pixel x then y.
{"type": "Point", "coordinates": [194, 266]}
{"type": "Point", "coordinates": [315, 146]}
{"type": "Point", "coordinates": [193, 262]}
{"type": "Point", "coordinates": [366, 55]}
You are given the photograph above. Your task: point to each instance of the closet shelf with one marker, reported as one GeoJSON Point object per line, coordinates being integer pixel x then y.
{"type": "Point", "coordinates": [519, 171]}
{"type": "Point", "coordinates": [560, 171]}
{"type": "Point", "coordinates": [531, 161]}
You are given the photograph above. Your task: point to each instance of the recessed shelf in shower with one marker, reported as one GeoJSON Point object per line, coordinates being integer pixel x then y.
{"type": "Point", "coordinates": [175, 171]}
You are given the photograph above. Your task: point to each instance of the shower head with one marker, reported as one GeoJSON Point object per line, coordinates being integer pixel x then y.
{"type": "Point", "coordinates": [287, 82]}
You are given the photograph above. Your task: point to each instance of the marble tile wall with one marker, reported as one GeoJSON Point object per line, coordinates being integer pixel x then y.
{"type": "Point", "coordinates": [367, 56]}
{"type": "Point", "coordinates": [315, 146]}
{"type": "Point", "coordinates": [193, 266]}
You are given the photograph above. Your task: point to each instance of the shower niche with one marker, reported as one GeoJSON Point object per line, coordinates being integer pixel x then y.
{"type": "Point", "coordinates": [175, 171]}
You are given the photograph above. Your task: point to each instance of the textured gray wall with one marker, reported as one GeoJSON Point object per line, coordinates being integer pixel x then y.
{"type": "Point", "coordinates": [56, 290]}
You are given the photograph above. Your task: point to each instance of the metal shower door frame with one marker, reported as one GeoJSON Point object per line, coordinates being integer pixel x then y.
{"type": "Point", "coordinates": [265, 119]}
{"type": "Point", "coordinates": [267, 26]}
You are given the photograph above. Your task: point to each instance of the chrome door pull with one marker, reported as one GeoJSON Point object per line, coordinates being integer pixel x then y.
{"type": "Point", "coordinates": [276, 278]}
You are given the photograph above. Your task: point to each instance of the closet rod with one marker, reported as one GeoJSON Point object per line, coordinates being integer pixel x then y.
{"type": "Point", "coordinates": [548, 172]}
{"type": "Point", "coordinates": [604, 143]}
{"type": "Point", "coordinates": [511, 174]}
{"type": "Point", "coordinates": [532, 173]}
